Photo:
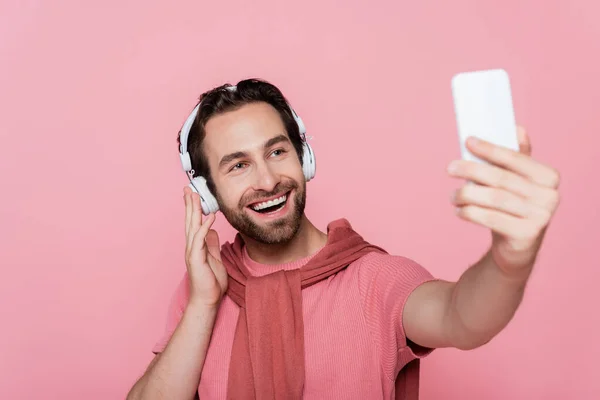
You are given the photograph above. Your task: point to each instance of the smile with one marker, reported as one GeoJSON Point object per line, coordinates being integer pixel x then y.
{"type": "Point", "coordinates": [270, 206]}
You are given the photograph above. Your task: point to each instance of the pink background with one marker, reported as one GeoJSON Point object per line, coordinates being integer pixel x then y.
{"type": "Point", "coordinates": [92, 95]}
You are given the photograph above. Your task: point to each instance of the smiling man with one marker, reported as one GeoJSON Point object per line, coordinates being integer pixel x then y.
{"type": "Point", "coordinates": [271, 211]}
{"type": "Point", "coordinates": [287, 311]}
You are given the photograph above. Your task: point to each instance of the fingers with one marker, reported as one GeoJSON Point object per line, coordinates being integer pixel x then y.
{"type": "Point", "coordinates": [188, 209]}
{"type": "Point", "coordinates": [524, 142]}
{"type": "Point", "coordinates": [517, 162]}
{"type": "Point", "coordinates": [195, 217]}
{"type": "Point", "coordinates": [219, 271]}
{"type": "Point", "coordinates": [494, 198]}
{"type": "Point", "coordinates": [501, 201]}
{"type": "Point", "coordinates": [493, 176]}
{"type": "Point", "coordinates": [197, 250]}
{"type": "Point", "coordinates": [501, 223]}
{"type": "Point", "coordinates": [511, 194]}
{"type": "Point", "coordinates": [212, 243]}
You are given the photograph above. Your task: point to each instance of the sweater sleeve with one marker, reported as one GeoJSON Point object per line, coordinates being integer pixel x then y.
{"type": "Point", "coordinates": [385, 283]}
{"type": "Point", "coordinates": [177, 305]}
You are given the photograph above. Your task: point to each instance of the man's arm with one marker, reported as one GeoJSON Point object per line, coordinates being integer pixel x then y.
{"type": "Point", "coordinates": [464, 314]}
{"type": "Point", "coordinates": [175, 373]}
{"type": "Point", "coordinates": [515, 197]}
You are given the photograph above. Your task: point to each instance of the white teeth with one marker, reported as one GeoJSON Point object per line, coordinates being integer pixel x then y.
{"type": "Point", "coordinates": [269, 203]}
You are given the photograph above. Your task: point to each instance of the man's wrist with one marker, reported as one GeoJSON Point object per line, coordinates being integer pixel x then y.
{"type": "Point", "coordinates": [197, 309]}
{"type": "Point", "coordinates": [511, 276]}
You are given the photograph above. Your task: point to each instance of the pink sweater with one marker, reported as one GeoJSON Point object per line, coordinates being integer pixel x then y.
{"type": "Point", "coordinates": [355, 344]}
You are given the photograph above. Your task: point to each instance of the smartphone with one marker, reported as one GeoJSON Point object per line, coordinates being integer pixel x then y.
{"type": "Point", "coordinates": [483, 108]}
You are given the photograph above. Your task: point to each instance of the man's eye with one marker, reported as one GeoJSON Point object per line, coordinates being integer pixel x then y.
{"type": "Point", "coordinates": [278, 152]}
{"type": "Point", "coordinates": [237, 166]}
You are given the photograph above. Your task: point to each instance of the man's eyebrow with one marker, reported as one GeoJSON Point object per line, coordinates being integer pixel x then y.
{"type": "Point", "coordinates": [277, 139]}
{"type": "Point", "coordinates": [230, 157]}
{"type": "Point", "coordinates": [241, 154]}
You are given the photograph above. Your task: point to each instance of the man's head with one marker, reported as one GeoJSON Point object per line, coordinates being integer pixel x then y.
{"type": "Point", "coordinates": [247, 145]}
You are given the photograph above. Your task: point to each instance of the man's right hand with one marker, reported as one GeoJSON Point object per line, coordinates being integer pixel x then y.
{"type": "Point", "coordinates": [208, 277]}
{"type": "Point", "coordinates": [175, 372]}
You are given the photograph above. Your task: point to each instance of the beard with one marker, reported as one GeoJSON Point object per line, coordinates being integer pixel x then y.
{"type": "Point", "coordinates": [274, 232]}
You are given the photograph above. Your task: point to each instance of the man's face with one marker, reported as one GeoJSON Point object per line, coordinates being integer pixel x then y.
{"type": "Point", "coordinates": [261, 189]}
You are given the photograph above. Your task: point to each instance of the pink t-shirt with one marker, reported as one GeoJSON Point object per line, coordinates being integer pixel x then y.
{"type": "Point", "coordinates": [355, 344]}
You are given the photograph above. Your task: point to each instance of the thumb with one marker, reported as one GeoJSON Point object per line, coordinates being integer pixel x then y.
{"type": "Point", "coordinates": [524, 142]}
{"type": "Point", "coordinates": [212, 243]}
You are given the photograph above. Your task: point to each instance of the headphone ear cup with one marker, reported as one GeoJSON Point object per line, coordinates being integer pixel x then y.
{"type": "Point", "coordinates": [207, 200]}
{"type": "Point", "coordinates": [309, 166]}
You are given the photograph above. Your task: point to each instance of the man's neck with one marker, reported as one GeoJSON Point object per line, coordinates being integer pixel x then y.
{"type": "Point", "coordinates": [308, 240]}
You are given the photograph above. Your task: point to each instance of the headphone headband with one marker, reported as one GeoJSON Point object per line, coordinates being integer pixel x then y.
{"type": "Point", "coordinates": [183, 136]}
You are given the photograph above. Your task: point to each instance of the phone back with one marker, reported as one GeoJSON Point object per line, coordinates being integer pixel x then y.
{"type": "Point", "coordinates": [484, 109]}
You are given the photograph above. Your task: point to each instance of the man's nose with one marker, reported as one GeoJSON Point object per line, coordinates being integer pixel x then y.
{"type": "Point", "coordinates": [266, 178]}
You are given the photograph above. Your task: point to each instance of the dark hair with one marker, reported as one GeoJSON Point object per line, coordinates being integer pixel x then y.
{"type": "Point", "coordinates": [221, 100]}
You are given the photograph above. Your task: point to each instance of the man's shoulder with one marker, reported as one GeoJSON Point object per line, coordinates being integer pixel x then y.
{"type": "Point", "coordinates": [377, 259]}
{"type": "Point", "coordinates": [385, 269]}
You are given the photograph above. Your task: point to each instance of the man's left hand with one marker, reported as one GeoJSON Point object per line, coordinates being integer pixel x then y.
{"type": "Point", "coordinates": [514, 195]}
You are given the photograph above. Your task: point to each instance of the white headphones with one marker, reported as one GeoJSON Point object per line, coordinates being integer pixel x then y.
{"type": "Point", "coordinates": [198, 183]}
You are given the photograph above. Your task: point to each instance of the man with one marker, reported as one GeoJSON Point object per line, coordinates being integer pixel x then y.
{"type": "Point", "coordinates": [288, 311]}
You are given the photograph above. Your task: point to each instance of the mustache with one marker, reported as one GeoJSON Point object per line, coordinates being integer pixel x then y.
{"type": "Point", "coordinates": [283, 187]}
